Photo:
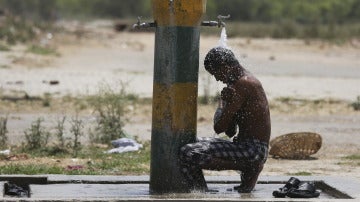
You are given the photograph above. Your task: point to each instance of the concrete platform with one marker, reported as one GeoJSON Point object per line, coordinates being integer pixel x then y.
{"type": "Point", "coordinates": [136, 188]}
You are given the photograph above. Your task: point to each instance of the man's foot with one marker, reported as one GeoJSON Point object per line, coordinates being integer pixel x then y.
{"type": "Point", "coordinates": [249, 178]}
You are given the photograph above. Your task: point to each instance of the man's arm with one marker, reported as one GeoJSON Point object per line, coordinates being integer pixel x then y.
{"type": "Point", "coordinates": [224, 117]}
{"type": "Point", "coordinates": [232, 129]}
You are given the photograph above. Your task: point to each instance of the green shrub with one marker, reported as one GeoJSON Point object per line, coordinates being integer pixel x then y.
{"type": "Point", "coordinates": [3, 132]}
{"type": "Point", "coordinates": [59, 133]}
{"type": "Point", "coordinates": [111, 109]}
{"type": "Point", "coordinates": [4, 47]}
{"type": "Point", "coordinates": [46, 101]}
{"type": "Point", "coordinates": [356, 104]}
{"type": "Point", "coordinates": [36, 136]}
{"type": "Point", "coordinates": [353, 157]}
{"type": "Point", "coordinates": [76, 130]}
{"type": "Point", "coordinates": [16, 30]}
{"type": "Point", "coordinates": [40, 50]}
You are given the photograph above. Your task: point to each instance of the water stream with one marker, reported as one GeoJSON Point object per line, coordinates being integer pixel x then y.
{"type": "Point", "coordinates": [223, 38]}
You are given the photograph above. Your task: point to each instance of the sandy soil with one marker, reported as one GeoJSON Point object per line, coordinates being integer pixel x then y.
{"type": "Point", "coordinates": [287, 68]}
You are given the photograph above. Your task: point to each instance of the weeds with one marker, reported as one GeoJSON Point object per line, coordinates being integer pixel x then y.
{"type": "Point", "coordinates": [301, 173]}
{"type": "Point", "coordinates": [3, 132]}
{"type": "Point", "coordinates": [30, 169]}
{"type": "Point", "coordinates": [353, 157]}
{"type": "Point", "coordinates": [46, 101]}
{"type": "Point", "coordinates": [76, 127]}
{"type": "Point", "coordinates": [111, 109]}
{"type": "Point", "coordinates": [4, 47]}
{"type": "Point", "coordinates": [16, 30]}
{"type": "Point", "coordinates": [290, 105]}
{"type": "Point", "coordinates": [356, 105]}
{"type": "Point", "coordinates": [59, 133]}
{"type": "Point", "coordinates": [36, 136]}
{"type": "Point", "coordinates": [40, 50]}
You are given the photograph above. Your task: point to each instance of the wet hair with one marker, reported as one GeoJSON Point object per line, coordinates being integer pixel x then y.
{"type": "Point", "coordinates": [218, 57]}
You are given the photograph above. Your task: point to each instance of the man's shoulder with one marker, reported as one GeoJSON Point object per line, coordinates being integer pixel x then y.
{"type": "Point", "coordinates": [249, 80]}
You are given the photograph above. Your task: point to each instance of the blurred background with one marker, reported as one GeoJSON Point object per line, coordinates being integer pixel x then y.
{"type": "Point", "coordinates": [328, 19]}
{"type": "Point", "coordinates": [74, 71]}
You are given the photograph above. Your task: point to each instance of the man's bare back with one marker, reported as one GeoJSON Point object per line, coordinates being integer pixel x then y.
{"type": "Point", "coordinates": [253, 117]}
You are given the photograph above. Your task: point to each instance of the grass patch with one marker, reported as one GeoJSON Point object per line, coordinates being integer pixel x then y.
{"type": "Point", "coordinates": [4, 47]}
{"type": "Point", "coordinates": [354, 157]}
{"type": "Point", "coordinates": [29, 169]}
{"type": "Point", "coordinates": [353, 160]}
{"type": "Point", "coordinates": [40, 50]}
{"type": "Point", "coordinates": [301, 173]}
{"type": "Point", "coordinates": [92, 161]}
{"type": "Point", "coordinates": [291, 105]}
{"type": "Point", "coordinates": [4, 66]}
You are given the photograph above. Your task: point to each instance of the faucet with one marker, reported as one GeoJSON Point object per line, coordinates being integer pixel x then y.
{"type": "Point", "coordinates": [140, 25]}
{"type": "Point", "coordinates": [219, 23]}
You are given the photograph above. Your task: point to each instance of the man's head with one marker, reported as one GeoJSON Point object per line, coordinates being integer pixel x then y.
{"type": "Point", "coordinates": [222, 63]}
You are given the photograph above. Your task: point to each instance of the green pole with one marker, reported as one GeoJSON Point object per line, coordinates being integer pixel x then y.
{"type": "Point", "coordinates": [175, 89]}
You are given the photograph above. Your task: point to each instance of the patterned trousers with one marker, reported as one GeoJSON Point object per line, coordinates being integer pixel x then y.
{"type": "Point", "coordinates": [196, 155]}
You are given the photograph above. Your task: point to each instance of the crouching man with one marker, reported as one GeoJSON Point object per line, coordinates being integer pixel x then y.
{"type": "Point", "coordinates": [243, 114]}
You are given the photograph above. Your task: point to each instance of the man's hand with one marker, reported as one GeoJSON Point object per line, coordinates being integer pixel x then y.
{"type": "Point", "coordinates": [227, 94]}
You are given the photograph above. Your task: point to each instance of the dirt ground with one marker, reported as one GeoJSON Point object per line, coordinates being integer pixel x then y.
{"type": "Point", "coordinates": [321, 80]}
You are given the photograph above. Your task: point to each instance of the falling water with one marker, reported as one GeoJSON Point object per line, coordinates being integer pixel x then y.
{"type": "Point", "coordinates": [223, 38]}
{"type": "Point", "coordinates": [222, 43]}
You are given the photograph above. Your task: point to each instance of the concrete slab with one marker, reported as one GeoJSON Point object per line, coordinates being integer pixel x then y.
{"type": "Point", "coordinates": [136, 188]}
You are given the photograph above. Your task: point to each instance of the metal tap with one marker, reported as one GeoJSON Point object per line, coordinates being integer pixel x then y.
{"type": "Point", "coordinates": [140, 25]}
{"type": "Point", "coordinates": [219, 23]}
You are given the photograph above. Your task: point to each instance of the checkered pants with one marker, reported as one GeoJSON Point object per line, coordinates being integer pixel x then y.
{"type": "Point", "coordinates": [194, 155]}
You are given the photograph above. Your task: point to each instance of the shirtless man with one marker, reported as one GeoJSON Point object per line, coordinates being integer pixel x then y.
{"type": "Point", "coordinates": [243, 107]}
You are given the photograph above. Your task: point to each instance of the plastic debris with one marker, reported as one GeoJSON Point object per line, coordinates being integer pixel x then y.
{"type": "Point", "coordinates": [5, 152]}
{"type": "Point", "coordinates": [124, 145]}
{"type": "Point", "coordinates": [75, 167]}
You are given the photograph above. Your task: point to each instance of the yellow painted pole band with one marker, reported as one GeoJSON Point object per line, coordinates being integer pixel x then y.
{"type": "Point", "coordinates": [175, 106]}
{"type": "Point", "coordinates": [180, 12]}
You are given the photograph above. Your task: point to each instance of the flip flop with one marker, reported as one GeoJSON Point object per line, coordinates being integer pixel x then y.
{"type": "Point", "coordinates": [305, 190]}
{"type": "Point", "coordinates": [15, 190]}
{"type": "Point", "coordinates": [295, 145]}
{"type": "Point", "coordinates": [292, 183]}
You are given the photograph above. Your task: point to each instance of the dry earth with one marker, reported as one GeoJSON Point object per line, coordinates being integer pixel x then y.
{"type": "Point", "coordinates": [295, 69]}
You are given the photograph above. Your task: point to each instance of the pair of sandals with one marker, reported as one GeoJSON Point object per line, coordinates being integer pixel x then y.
{"type": "Point", "coordinates": [15, 190]}
{"type": "Point", "coordinates": [294, 188]}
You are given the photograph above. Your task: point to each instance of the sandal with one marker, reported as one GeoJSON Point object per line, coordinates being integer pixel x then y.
{"type": "Point", "coordinates": [305, 190]}
{"type": "Point", "coordinates": [298, 145]}
{"type": "Point", "coordinates": [292, 183]}
{"type": "Point", "coordinates": [11, 189]}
